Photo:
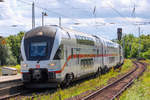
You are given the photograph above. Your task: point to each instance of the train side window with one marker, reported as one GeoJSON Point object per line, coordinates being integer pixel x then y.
{"type": "Point", "coordinates": [59, 53]}
{"type": "Point", "coordinates": [66, 56]}
{"type": "Point", "coordinates": [71, 52]}
{"type": "Point", "coordinates": [83, 63]}
{"type": "Point", "coordinates": [87, 62]}
{"type": "Point", "coordinates": [78, 58]}
{"type": "Point", "coordinates": [97, 51]}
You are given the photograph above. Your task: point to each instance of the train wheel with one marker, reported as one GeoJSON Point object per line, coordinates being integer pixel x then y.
{"type": "Point", "coordinates": [99, 72]}
{"type": "Point", "coordinates": [67, 81]}
{"type": "Point", "coordinates": [105, 70]}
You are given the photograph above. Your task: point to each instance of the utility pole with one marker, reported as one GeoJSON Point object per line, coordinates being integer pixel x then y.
{"type": "Point", "coordinates": [42, 18]}
{"type": "Point", "coordinates": [33, 16]}
{"type": "Point", "coordinates": [60, 21]}
{"type": "Point", "coordinates": [139, 49]}
{"type": "Point", "coordinates": [43, 14]}
{"type": "Point", "coordinates": [124, 45]}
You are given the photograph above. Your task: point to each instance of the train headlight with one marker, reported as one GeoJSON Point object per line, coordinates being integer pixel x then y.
{"type": "Point", "coordinates": [25, 65]}
{"type": "Point", "coordinates": [52, 64]}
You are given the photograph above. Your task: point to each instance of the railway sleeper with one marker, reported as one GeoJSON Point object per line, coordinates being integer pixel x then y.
{"type": "Point", "coordinates": [10, 90]}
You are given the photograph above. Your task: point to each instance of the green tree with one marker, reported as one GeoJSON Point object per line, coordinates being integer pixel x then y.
{"type": "Point", "coordinates": [6, 57]}
{"type": "Point", "coordinates": [14, 41]}
{"type": "Point", "coordinates": [132, 46]}
{"type": "Point", "coordinates": [146, 54]}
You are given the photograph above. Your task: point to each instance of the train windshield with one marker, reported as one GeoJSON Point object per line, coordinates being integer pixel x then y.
{"type": "Point", "coordinates": [38, 49]}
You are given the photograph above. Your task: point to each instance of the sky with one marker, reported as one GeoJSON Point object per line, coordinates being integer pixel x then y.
{"type": "Point", "coordinates": [98, 17]}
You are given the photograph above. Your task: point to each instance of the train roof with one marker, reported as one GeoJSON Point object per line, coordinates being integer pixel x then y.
{"type": "Point", "coordinates": [46, 31]}
{"type": "Point", "coordinates": [50, 31]}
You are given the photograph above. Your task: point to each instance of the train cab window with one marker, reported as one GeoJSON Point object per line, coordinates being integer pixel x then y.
{"type": "Point", "coordinates": [59, 53]}
{"type": "Point", "coordinates": [38, 49]}
{"type": "Point", "coordinates": [97, 51]}
{"type": "Point", "coordinates": [71, 52]}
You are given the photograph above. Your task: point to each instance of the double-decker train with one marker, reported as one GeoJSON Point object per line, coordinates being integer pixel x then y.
{"type": "Point", "coordinates": [53, 54]}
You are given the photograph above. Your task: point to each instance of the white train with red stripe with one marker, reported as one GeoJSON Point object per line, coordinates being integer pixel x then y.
{"type": "Point", "coordinates": [53, 54]}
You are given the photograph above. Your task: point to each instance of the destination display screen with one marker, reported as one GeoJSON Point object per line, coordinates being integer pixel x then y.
{"type": "Point", "coordinates": [38, 49]}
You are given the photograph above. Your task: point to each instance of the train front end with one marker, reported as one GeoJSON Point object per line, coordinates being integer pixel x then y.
{"type": "Point", "coordinates": [38, 49]}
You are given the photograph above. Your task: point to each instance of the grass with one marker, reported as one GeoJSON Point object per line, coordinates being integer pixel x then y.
{"type": "Point", "coordinates": [86, 86]}
{"type": "Point", "coordinates": [141, 88]}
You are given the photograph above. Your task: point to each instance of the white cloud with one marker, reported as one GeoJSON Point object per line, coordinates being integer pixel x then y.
{"type": "Point", "coordinates": [76, 14]}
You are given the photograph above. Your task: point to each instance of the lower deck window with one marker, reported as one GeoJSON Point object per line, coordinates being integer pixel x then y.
{"type": "Point", "coordinates": [87, 62]}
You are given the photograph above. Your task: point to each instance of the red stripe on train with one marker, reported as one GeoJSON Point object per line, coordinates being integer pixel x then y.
{"type": "Point", "coordinates": [83, 56]}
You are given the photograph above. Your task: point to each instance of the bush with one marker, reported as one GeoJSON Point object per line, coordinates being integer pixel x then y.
{"type": "Point", "coordinates": [146, 54]}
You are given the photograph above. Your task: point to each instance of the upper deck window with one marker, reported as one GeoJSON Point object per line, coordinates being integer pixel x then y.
{"type": "Point", "coordinates": [84, 40]}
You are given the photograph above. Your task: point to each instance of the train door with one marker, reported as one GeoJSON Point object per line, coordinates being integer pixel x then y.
{"type": "Point", "coordinates": [102, 52]}
{"type": "Point", "coordinates": [77, 61]}
{"type": "Point", "coordinates": [85, 61]}
{"type": "Point", "coordinates": [74, 60]}
{"type": "Point", "coordinates": [105, 55]}
{"type": "Point", "coordinates": [119, 54]}
{"type": "Point", "coordinates": [67, 60]}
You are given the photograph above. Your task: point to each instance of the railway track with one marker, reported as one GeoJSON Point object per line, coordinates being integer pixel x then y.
{"type": "Point", "coordinates": [10, 88]}
{"type": "Point", "coordinates": [113, 90]}
{"type": "Point", "coordinates": [110, 92]}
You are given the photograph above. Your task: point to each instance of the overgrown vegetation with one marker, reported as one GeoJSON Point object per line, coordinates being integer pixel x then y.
{"type": "Point", "coordinates": [132, 46]}
{"type": "Point", "coordinates": [88, 85]}
{"type": "Point", "coordinates": [10, 51]}
{"type": "Point", "coordinates": [140, 89]}
{"type": "Point", "coordinates": [6, 56]}
{"type": "Point", "coordinates": [14, 41]}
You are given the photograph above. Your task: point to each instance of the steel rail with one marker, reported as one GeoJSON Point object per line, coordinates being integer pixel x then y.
{"type": "Point", "coordinates": [129, 84]}
{"type": "Point", "coordinates": [16, 89]}
{"type": "Point", "coordinates": [96, 93]}
{"type": "Point", "coordinates": [10, 89]}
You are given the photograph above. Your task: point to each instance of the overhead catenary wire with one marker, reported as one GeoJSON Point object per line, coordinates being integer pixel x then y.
{"type": "Point", "coordinates": [133, 8]}
{"type": "Point", "coordinates": [72, 7]}
{"type": "Point", "coordinates": [127, 21]}
{"type": "Point", "coordinates": [133, 12]}
{"type": "Point", "coordinates": [50, 11]}
{"type": "Point", "coordinates": [122, 16]}
{"type": "Point", "coordinates": [58, 14]}
{"type": "Point", "coordinates": [62, 15]}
